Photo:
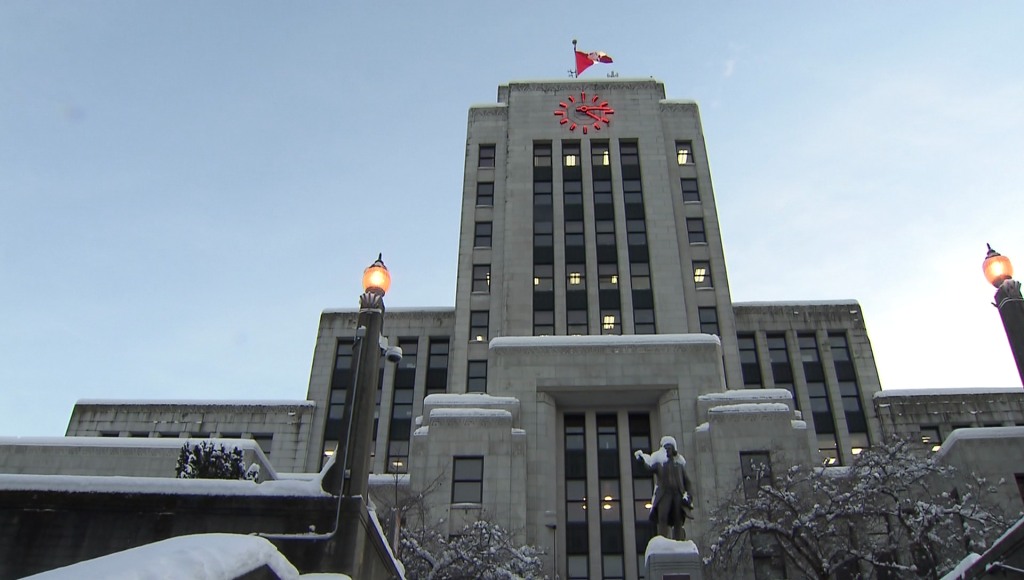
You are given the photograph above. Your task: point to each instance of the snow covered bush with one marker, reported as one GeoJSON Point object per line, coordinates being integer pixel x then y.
{"type": "Point", "coordinates": [483, 550]}
{"type": "Point", "coordinates": [895, 513]}
{"type": "Point", "coordinates": [204, 460]}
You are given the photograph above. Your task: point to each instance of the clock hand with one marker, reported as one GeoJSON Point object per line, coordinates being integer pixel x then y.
{"type": "Point", "coordinates": [593, 115]}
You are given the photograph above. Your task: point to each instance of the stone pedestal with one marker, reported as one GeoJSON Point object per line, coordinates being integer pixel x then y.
{"type": "Point", "coordinates": [671, 560]}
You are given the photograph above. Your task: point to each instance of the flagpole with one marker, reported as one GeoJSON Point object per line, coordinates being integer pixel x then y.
{"type": "Point", "coordinates": [575, 68]}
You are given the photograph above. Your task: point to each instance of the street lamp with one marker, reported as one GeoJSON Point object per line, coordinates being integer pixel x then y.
{"type": "Point", "coordinates": [1008, 300]}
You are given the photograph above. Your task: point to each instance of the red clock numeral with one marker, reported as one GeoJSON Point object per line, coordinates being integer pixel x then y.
{"type": "Point", "coordinates": [605, 120]}
{"type": "Point", "coordinates": [597, 126]}
{"type": "Point", "coordinates": [572, 127]}
{"type": "Point", "coordinates": [595, 100]}
{"type": "Point", "coordinates": [560, 112]}
{"type": "Point", "coordinates": [572, 99]}
{"type": "Point", "coordinates": [563, 105]}
{"type": "Point", "coordinates": [583, 96]}
{"type": "Point", "coordinates": [563, 121]}
{"type": "Point", "coordinates": [584, 129]}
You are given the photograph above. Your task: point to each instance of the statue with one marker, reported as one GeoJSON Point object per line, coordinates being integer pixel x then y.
{"type": "Point", "coordinates": [672, 502]}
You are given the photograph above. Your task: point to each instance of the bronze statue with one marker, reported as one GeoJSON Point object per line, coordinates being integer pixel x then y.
{"type": "Point", "coordinates": [672, 502]}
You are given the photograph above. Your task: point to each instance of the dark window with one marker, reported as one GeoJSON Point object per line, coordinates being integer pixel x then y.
{"type": "Point", "coordinates": [1020, 484]}
{"type": "Point", "coordinates": [542, 154]}
{"type": "Point", "coordinates": [609, 495]}
{"type": "Point", "coordinates": [543, 322]}
{"type": "Point", "coordinates": [543, 278]}
{"type": "Point", "coordinates": [486, 156]}
{"type": "Point", "coordinates": [702, 274]}
{"type": "Point", "coordinates": [640, 275]}
{"type": "Point", "coordinates": [485, 194]}
{"type": "Point", "coordinates": [708, 317]}
{"type": "Point", "coordinates": [576, 534]}
{"type": "Point", "coordinates": [401, 408]}
{"type": "Point", "coordinates": [482, 235]}
{"type": "Point", "coordinates": [778, 355]}
{"type": "Point", "coordinates": [482, 278]}
{"type": "Point", "coordinates": [636, 233]}
{"type": "Point", "coordinates": [477, 373]}
{"type": "Point", "coordinates": [599, 155]}
{"type": "Point", "coordinates": [848, 389]}
{"type": "Point", "coordinates": [689, 187]}
{"type": "Point", "coordinates": [478, 325]}
{"type": "Point", "coordinates": [628, 153]}
{"type": "Point", "coordinates": [576, 322]}
{"type": "Point", "coordinates": [643, 321]}
{"type": "Point", "coordinates": [574, 233]}
{"type": "Point", "coordinates": [695, 230]}
{"type": "Point", "coordinates": [756, 467]}
{"type": "Point", "coordinates": [437, 366]}
{"type": "Point", "coordinates": [541, 187]}
{"type": "Point", "coordinates": [748, 361]}
{"type": "Point", "coordinates": [468, 480]}
{"type": "Point", "coordinates": [684, 153]}
{"type": "Point", "coordinates": [265, 441]}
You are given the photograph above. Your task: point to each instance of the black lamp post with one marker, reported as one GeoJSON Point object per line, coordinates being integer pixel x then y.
{"type": "Point", "coordinates": [1008, 300]}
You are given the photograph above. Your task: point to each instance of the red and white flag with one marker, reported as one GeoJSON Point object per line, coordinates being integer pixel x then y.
{"type": "Point", "coordinates": [585, 59]}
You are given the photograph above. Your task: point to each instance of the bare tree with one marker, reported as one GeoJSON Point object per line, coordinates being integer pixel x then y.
{"type": "Point", "coordinates": [894, 513]}
{"type": "Point", "coordinates": [482, 551]}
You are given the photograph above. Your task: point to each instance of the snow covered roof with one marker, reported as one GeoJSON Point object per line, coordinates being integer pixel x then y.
{"type": "Point", "coordinates": [958, 571]}
{"type": "Point", "coordinates": [200, 402]}
{"type": "Point", "coordinates": [195, 557]}
{"type": "Point", "coordinates": [964, 434]}
{"type": "Point", "coordinates": [151, 442]}
{"type": "Point", "coordinates": [471, 412]}
{"type": "Point", "coordinates": [663, 545]}
{"type": "Point", "coordinates": [389, 479]}
{"type": "Point", "coordinates": [160, 485]}
{"type": "Point", "coordinates": [787, 303]}
{"type": "Point", "coordinates": [947, 392]}
{"type": "Point", "coordinates": [602, 340]}
{"type": "Point", "coordinates": [461, 400]}
{"type": "Point", "coordinates": [751, 408]}
{"type": "Point", "coordinates": [748, 395]}
{"type": "Point", "coordinates": [678, 101]}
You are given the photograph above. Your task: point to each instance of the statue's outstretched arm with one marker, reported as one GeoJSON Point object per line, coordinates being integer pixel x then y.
{"type": "Point", "coordinates": [646, 458]}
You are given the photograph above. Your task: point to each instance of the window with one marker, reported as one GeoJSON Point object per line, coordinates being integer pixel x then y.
{"type": "Point", "coordinates": [574, 233]}
{"type": "Point", "coordinates": [695, 230]}
{"type": "Point", "coordinates": [576, 322]}
{"type": "Point", "coordinates": [640, 275]}
{"type": "Point", "coordinates": [571, 154]}
{"type": "Point", "coordinates": [477, 381]}
{"type": "Point", "coordinates": [605, 232]}
{"type": "Point", "coordinates": [930, 437]}
{"type": "Point", "coordinates": [708, 317]}
{"type": "Point", "coordinates": [690, 193]}
{"type": "Point", "coordinates": [265, 441]}
{"type": "Point", "coordinates": [485, 194]}
{"type": "Point", "coordinates": [684, 153]}
{"type": "Point", "coordinates": [611, 322]}
{"type": "Point", "coordinates": [482, 278]}
{"type": "Point", "coordinates": [756, 467]}
{"type": "Point", "coordinates": [778, 356]}
{"type": "Point", "coordinates": [482, 235]}
{"type": "Point", "coordinates": [636, 232]}
{"type": "Point", "coordinates": [478, 325]}
{"type": "Point", "coordinates": [848, 389]}
{"type": "Point", "coordinates": [828, 449]}
{"type": "Point", "coordinates": [486, 156]}
{"type": "Point", "coordinates": [603, 193]}
{"type": "Point", "coordinates": [544, 323]}
{"type": "Point", "coordinates": [542, 154]}
{"type": "Point", "coordinates": [702, 274]}
{"type": "Point", "coordinates": [643, 321]}
{"type": "Point", "coordinates": [468, 480]}
{"type": "Point", "coordinates": [599, 155]}
{"type": "Point", "coordinates": [576, 535]}
{"type": "Point", "coordinates": [575, 277]}
{"type": "Point", "coordinates": [608, 276]}
{"type": "Point", "coordinates": [437, 365]}
{"type": "Point", "coordinates": [543, 278]}
{"type": "Point", "coordinates": [628, 153]}
{"type": "Point", "coordinates": [748, 361]}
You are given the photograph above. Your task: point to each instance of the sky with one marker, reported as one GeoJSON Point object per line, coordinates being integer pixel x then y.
{"type": "Point", "coordinates": [185, 186]}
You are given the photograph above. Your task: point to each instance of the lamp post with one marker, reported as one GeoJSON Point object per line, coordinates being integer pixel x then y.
{"type": "Point", "coordinates": [359, 423]}
{"type": "Point", "coordinates": [1008, 300]}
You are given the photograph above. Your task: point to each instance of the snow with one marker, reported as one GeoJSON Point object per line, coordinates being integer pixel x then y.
{"type": "Point", "coordinates": [979, 433]}
{"type": "Point", "coordinates": [196, 557]}
{"type": "Point", "coordinates": [751, 408]}
{"type": "Point", "coordinates": [663, 545]}
{"type": "Point", "coordinates": [703, 428]}
{"type": "Point", "coordinates": [399, 310]}
{"type": "Point", "coordinates": [471, 412]}
{"type": "Point", "coordinates": [748, 395]}
{"type": "Point", "coordinates": [607, 340]}
{"type": "Point", "coordinates": [200, 402]}
{"type": "Point", "coordinates": [421, 431]}
{"type": "Point", "coordinates": [468, 399]}
{"type": "Point", "coordinates": [762, 303]}
{"type": "Point", "coordinates": [324, 576]}
{"type": "Point", "coordinates": [658, 456]}
{"type": "Point", "coordinates": [962, 567]}
{"type": "Point", "coordinates": [388, 479]}
{"type": "Point", "coordinates": [372, 509]}
{"type": "Point", "coordinates": [163, 485]}
{"type": "Point", "coordinates": [152, 442]}
{"type": "Point", "coordinates": [945, 392]}
{"type": "Point", "coordinates": [798, 424]}
{"type": "Point", "coordinates": [668, 439]}
{"type": "Point", "coordinates": [519, 431]}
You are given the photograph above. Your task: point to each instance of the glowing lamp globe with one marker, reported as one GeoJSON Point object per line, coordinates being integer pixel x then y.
{"type": "Point", "coordinates": [997, 267]}
{"type": "Point", "coordinates": [376, 278]}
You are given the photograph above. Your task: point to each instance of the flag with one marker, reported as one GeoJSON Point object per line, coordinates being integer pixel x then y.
{"type": "Point", "coordinates": [585, 59]}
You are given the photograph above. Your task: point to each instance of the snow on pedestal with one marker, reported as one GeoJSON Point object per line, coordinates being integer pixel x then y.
{"type": "Point", "coordinates": [196, 557]}
{"type": "Point", "coordinates": [665, 557]}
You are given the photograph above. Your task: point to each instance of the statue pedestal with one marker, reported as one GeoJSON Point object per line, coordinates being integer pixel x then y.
{"type": "Point", "coordinates": [671, 560]}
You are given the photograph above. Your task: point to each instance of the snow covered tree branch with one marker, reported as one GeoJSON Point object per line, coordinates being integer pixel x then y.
{"type": "Point", "coordinates": [204, 460]}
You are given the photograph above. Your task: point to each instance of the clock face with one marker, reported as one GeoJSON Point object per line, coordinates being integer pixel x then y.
{"type": "Point", "coordinates": [584, 112]}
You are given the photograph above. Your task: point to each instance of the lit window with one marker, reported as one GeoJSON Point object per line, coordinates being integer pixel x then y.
{"type": "Point", "coordinates": [599, 153]}
{"type": "Point", "coordinates": [542, 154]}
{"type": "Point", "coordinates": [609, 322]}
{"type": "Point", "coordinates": [571, 160]}
{"type": "Point", "coordinates": [478, 322]}
{"type": "Point", "coordinates": [575, 278]}
{"type": "Point", "coordinates": [702, 274]}
{"type": "Point", "coordinates": [543, 277]}
{"type": "Point", "coordinates": [684, 152]}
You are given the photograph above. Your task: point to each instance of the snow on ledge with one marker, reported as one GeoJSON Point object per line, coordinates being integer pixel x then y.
{"type": "Point", "coordinates": [958, 572]}
{"type": "Point", "coordinates": [195, 557]}
{"type": "Point", "coordinates": [703, 428]}
{"type": "Point", "coordinates": [948, 392]}
{"type": "Point", "coordinates": [769, 303]}
{"type": "Point", "coordinates": [471, 412]}
{"type": "Point", "coordinates": [379, 479]}
{"type": "Point", "coordinates": [398, 310]}
{"type": "Point", "coordinates": [199, 402]}
{"type": "Point", "coordinates": [798, 424]}
{"type": "Point", "coordinates": [749, 395]}
{"type": "Point", "coordinates": [751, 408]}
{"type": "Point", "coordinates": [151, 442]}
{"type": "Point", "coordinates": [160, 485]}
{"type": "Point", "coordinates": [964, 434]}
{"type": "Point", "coordinates": [602, 340]}
{"type": "Point", "coordinates": [462, 400]}
{"type": "Point", "coordinates": [663, 545]}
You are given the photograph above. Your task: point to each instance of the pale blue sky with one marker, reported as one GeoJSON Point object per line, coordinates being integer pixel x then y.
{"type": "Point", "coordinates": [184, 186]}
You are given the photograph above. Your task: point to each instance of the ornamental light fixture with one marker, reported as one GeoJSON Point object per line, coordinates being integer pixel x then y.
{"type": "Point", "coordinates": [376, 278]}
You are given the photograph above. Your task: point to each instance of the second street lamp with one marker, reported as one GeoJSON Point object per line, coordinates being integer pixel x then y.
{"type": "Point", "coordinates": [1008, 300]}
